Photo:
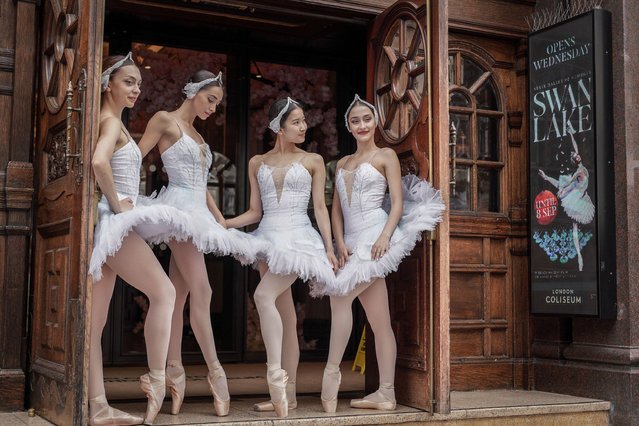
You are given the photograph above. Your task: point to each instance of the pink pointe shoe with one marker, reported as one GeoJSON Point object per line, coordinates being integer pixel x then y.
{"type": "Point", "coordinates": [155, 391]}
{"type": "Point", "coordinates": [102, 414]}
{"type": "Point", "coordinates": [277, 380]}
{"type": "Point", "coordinates": [268, 405]}
{"type": "Point", "coordinates": [176, 384]}
{"type": "Point", "coordinates": [219, 389]}
{"type": "Point", "coordinates": [330, 388]}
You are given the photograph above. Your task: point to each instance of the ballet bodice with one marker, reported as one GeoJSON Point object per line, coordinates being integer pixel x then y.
{"type": "Point", "coordinates": [361, 193]}
{"type": "Point", "coordinates": [125, 168]}
{"type": "Point", "coordinates": [187, 163]}
{"type": "Point", "coordinates": [285, 193]}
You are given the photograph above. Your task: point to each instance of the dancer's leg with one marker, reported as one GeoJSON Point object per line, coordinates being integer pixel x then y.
{"type": "Point", "coordinates": [290, 344]}
{"type": "Point", "coordinates": [177, 321]}
{"type": "Point", "coordinates": [138, 266]}
{"type": "Point", "coordinates": [192, 274]}
{"type": "Point", "coordinates": [575, 240]}
{"type": "Point", "coordinates": [290, 348]}
{"type": "Point", "coordinates": [102, 292]}
{"type": "Point", "coordinates": [192, 270]}
{"type": "Point", "coordinates": [375, 302]}
{"type": "Point", "coordinates": [267, 292]}
{"type": "Point", "coordinates": [341, 327]}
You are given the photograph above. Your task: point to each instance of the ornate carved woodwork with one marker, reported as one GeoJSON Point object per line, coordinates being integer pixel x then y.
{"type": "Point", "coordinates": [400, 77]}
{"type": "Point", "coordinates": [71, 35]}
{"type": "Point", "coordinates": [55, 149]}
{"type": "Point", "coordinates": [60, 42]}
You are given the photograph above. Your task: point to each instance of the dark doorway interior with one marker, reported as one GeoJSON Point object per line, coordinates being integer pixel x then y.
{"type": "Point", "coordinates": [264, 54]}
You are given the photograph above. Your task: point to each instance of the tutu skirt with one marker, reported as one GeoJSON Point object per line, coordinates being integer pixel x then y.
{"type": "Point", "coordinates": [111, 228]}
{"type": "Point", "coordinates": [423, 209]}
{"type": "Point", "coordinates": [293, 246]}
{"type": "Point", "coordinates": [195, 223]}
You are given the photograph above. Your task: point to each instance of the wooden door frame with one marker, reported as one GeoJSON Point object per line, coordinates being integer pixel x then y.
{"type": "Point", "coordinates": [441, 179]}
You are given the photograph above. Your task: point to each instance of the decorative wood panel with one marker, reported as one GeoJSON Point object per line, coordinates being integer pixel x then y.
{"type": "Point", "coordinates": [18, 40]}
{"type": "Point", "coordinates": [71, 40]}
{"type": "Point", "coordinates": [489, 327]}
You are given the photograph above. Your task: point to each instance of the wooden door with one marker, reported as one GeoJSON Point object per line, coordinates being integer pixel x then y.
{"type": "Point", "coordinates": [70, 57]}
{"type": "Point", "coordinates": [401, 72]}
{"type": "Point", "coordinates": [488, 266]}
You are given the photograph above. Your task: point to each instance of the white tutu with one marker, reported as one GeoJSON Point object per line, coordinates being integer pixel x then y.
{"type": "Point", "coordinates": [187, 163]}
{"type": "Point", "coordinates": [112, 228]}
{"type": "Point", "coordinates": [196, 223]}
{"type": "Point", "coordinates": [423, 209]}
{"type": "Point", "coordinates": [291, 244]}
{"type": "Point", "coordinates": [297, 250]}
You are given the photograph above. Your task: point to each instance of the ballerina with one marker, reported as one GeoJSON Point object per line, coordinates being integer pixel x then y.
{"type": "Point", "coordinates": [120, 250]}
{"type": "Point", "coordinates": [572, 191]}
{"type": "Point", "coordinates": [187, 159]}
{"type": "Point", "coordinates": [370, 243]}
{"type": "Point", "coordinates": [282, 181]}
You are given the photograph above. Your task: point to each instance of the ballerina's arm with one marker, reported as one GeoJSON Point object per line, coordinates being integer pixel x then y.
{"type": "Point", "coordinates": [101, 164]}
{"type": "Point", "coordinates": [337, 220]}
{"type": "Point", "coordinates": [544, 176]}
{"type": "Point", "coordinates": [155, 129]}
{"type": "Point", "coordinates": [215, 211]}
{"type": "Point", "coordinates": [318, 172]}
{"type": "Point", "coordinates": [254, 213]}
{"type": "Point", "coordinates": [392, 171]}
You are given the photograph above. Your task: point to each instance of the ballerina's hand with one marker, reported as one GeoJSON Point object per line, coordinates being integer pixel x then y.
{"type": "Point", "coordinates": [342, 254]}
{"type": "Point", "coordinates": [380, 247]}
{"type": "Point", "coordinates": [332, 259]}
{"type": "Point", "coordinates": [222, 222]}
{"type": "Point", "coordinates": [126, 204]}
{"type": "Point", "coordinates": [542, 174]}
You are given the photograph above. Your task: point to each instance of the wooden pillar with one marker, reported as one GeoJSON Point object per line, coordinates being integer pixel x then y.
{"type": "Point", "coordinates": [18, 36]}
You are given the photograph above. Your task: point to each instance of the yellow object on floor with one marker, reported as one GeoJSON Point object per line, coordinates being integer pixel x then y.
{"type": "Point", "coordinates": [360, 358]}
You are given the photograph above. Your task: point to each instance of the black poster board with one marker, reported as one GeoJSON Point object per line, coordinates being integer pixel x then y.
{"type": "Point", "coordinates": [572, 221]}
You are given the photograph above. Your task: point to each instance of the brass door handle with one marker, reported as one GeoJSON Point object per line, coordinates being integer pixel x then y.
{"type": "Point", "coordinates": [452, 146]}
{"type": "Point", "coordinates": [77, 155]}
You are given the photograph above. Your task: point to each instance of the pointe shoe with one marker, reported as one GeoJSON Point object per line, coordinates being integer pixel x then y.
{"type": "Point", "coordinates": [155, 392]}
{"type": "Point", "coordinates": [277, 380]}
{"type": "Point", "coordinates": [107, 415]}
{"type": "Point", "coordinates": [330, 404]}
{"type": "Point", "coordinates": [217, 383]}
{"type": "Point", "coordinates": [378, 400]}
{"type": "Point", "coordinates": [176, 383]}
{"type": "Point", "coordinates": [268, 405]}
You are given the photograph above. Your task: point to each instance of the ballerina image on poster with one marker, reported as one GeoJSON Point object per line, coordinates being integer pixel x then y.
{"type": "Point", "coordinates": [282, 181]}
{"type": "Point", "coordinates": [119, 249]}
{"type": "Point", "coordinates": [572, 191]}
{"type": "Point", "coordinates": [371, 241]}
{"type": "Point", "coordinates": [187, 159]}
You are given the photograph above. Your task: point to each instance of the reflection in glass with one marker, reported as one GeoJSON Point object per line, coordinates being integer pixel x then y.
{"type": "Point", "coordinates": [487, 190]}
{"type": "Point", "coordinates": [488, 136]}
{"type": "Point", "coordinates": [462, 124]}
{"type": "Point", "coordinates": [470, 72]}
{"type": "Point", "coordinates": [458, 99]}
{"type": "Point", "coordinates": [486, 97]}
{"type": "Point", "coordinates": [452, 76]}
{"type": "Point", "coordinates": [461, 200]}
